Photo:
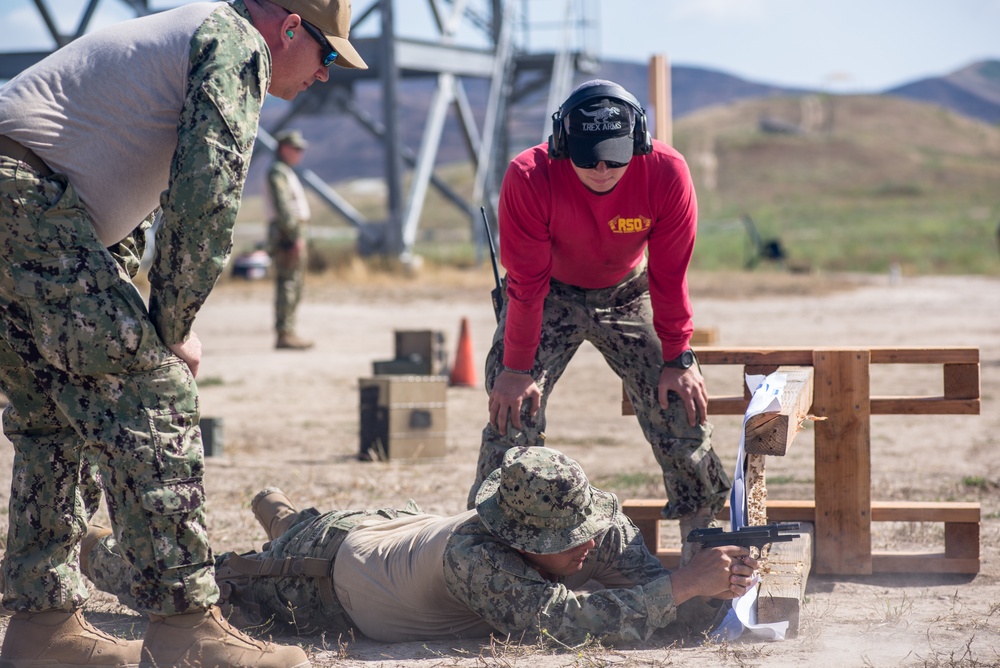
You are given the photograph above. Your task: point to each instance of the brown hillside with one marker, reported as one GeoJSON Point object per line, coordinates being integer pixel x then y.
{"type": "Point", "coordinates": [838, 145]}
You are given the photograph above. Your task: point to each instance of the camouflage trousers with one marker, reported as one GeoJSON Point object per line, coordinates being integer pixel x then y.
{"type": "Point", "coordinates": [289, 582]}
{"type": "Point", "coordinates": [618, 321]}
{"type": "Point", "coordinates": [289, 278]}
{"type": "Point", "coordinates": [91, 384]}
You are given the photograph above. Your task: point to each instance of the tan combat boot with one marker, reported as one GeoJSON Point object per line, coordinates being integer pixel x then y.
{"type": "Point", "coordinates": [703, 518]}
{"type": "Point", "coordinates": [206, 640]}
{"type": "Point", "coordinates": [57, 638]}
{"type": "Point", "coordinates": [274, 511]}
{"type": "Point", "coordinates": [289, 341]}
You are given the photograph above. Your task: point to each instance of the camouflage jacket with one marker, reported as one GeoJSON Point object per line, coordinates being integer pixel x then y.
{"type": "Point", "coordinates": [496, 582]}
{"type": "Point", "coordinates": [228, 80]}
{"type": "Point", "coordinates": [284, 191]}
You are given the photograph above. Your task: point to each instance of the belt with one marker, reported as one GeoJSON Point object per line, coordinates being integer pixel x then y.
{"type": "Point", "coordinates": [11, 149]}
{"type": "Point", "coordinates": [636, 271]}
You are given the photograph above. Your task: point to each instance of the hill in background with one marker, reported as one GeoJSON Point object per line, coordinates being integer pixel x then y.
{"type": "Point", "coordinates": [343, 149]}
{"type": "Point", "coordinates": [973, 91]}
{"type": "Point", "coordinates": [846, 182]}
{"type": "Point", "coordinates": [841, 181]}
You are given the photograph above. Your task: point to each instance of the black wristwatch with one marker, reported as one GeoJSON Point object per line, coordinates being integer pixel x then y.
{"type": "Point", "coordinates": [683, 361]}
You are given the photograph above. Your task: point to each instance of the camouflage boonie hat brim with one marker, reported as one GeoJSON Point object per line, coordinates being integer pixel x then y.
{"type": "Point", "coordinates": [540, 501]}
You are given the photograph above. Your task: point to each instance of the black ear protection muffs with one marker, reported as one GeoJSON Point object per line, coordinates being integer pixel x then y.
{"type": "Point", "coordinates": [642, 142]}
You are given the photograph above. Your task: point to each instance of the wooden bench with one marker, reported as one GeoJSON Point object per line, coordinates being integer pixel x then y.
{"type": "Point", "coordinates": [843, 509]}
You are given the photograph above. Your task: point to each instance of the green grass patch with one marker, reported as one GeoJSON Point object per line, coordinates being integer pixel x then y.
{"type": "Point", "coordinates": [980, 483]}
{"type": "Point", "coordinates": [631, 483]}
{"type": "Point", "coordinates": [786, 480]}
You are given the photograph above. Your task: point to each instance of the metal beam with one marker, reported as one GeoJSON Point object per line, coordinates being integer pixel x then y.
{"type": "Point", "coordinates": [392, 59]}
{"type": "Point", "coordinates": [11, 64]}
{"type": "Point", "coordinates": [378, 130]}
{"type": "Point", "coordinates": [390, 114]}
{"type": "Point", "coordinates": [420, 56]}
{"type": "Point", "coordinates": [266, 140]}
{"type": "Point", "coordinates": [493, 125]}
{"type": "Point", "coordinates": [443, 97]}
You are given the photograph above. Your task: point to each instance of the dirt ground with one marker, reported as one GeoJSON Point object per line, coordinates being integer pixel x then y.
{"type": "Point", "coordinates": [291, 419]}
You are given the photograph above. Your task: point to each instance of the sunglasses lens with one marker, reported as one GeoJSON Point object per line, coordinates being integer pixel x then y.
{"type": "Point", "coordinates": [317, 35]}
{"type": "Point", "coordinates": [608, 163]}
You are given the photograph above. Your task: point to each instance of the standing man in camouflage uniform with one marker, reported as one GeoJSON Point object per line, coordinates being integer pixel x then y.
{"type": "Point", "coordinates": [156, 113]}
{"type": "Point", "coordinates": [513, 566]}
{"type": "Point", "coordinates": [289, 212]}
{"type": "Point", "coordinates": [577, 219]}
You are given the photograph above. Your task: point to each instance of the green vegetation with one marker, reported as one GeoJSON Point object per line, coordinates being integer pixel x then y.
{"type": "Point", "coordinates": [936, 239]}
{"type": "Point", "coordinates": [871, 184]}
{"type": "Point", "coordinates": [775, 480]}
{"type": "Point", "coordinates": [979, 483]}
{"type": "Point", "coordinates": [639, 484]}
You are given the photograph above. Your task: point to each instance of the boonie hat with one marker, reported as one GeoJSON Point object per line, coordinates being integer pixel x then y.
{"type": "Point", "coordinates": [293, 138]}
{"type": "Point", "coordinates": [600, 129]}
{"type": "Point", "coordinates": [333, 18]}
{"type": "Point", "coordinates": [540, 501]}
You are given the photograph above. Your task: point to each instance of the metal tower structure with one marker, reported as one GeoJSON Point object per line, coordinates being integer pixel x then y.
{"type": "Point", "coordinates": [493, 40]}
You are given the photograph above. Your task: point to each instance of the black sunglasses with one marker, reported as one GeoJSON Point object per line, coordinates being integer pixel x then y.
{"type": "Point", "coordinates": [593, 165]}
{"type": "Point", "coordinates": [315, 33]}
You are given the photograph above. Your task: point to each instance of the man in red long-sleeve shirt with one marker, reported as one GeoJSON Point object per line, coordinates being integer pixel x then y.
{"type": "Point", "coordinates": [577, 218]}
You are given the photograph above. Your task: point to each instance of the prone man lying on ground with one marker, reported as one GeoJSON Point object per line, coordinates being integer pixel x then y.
{"type": "Point", "coordinates": [515, 565]}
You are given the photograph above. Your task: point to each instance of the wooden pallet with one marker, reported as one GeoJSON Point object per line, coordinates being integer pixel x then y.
{"type": "Point", "coordinates": [960, 553]}
{"type": "Point", "coordinates": [843, 509]}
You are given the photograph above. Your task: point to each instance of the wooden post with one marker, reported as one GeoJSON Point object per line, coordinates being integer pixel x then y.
{"type": "Point", "coordinates": [659, 98]}
{"type": "Point", "coordinates": [785, 566]}
{"type": "Point", "coordinates": [842, 396]}
{"type": "Point", "coordinates": [783, 584]}
{"type": "Point", "coordinates": [704, 336]}
{"type": "Point", "coordinates": [961, 381]}
{"type": "Point", "coordinates": [772, 433]}
{"type": "Point", "coordinates": [756, 486]}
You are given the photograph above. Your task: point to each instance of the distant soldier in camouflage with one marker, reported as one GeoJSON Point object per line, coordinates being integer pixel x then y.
{"type": "Point", "coordinates": [513, 566]}
{"type": "Point", "coordinates": [289, 213]}
{"type": "Point", "coordinates": [597, 228]}
{"type": "Point", "coordinates": [155, 114]}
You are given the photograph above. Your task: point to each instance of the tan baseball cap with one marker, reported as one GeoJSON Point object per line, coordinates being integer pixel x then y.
{"type": "Point", "coordinates": [333, 18]}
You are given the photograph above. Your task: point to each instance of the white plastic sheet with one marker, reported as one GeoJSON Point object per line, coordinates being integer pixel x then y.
{"type": "Point", "coordinates": [743, 615]}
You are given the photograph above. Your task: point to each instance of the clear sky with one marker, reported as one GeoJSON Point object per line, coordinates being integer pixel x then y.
{"type": "Point", "coordinates": [855, 44]}
{"type": "Point", "coordinates": [838, 45]}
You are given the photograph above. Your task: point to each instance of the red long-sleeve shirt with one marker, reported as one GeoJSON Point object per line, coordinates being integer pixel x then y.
{"type": "Point", "coordinates": [552, 226]}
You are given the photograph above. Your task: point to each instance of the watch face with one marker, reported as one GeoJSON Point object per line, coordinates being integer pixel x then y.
{"type": "Point", "coordinates": [683, 361]}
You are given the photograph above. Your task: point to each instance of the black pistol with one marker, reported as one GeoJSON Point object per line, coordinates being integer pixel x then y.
{"type": "Point", "coordinates": [753, 536]}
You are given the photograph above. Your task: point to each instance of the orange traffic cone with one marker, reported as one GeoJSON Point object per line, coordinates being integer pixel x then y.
{"type": "Point", "coordinates": [463, 372]}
